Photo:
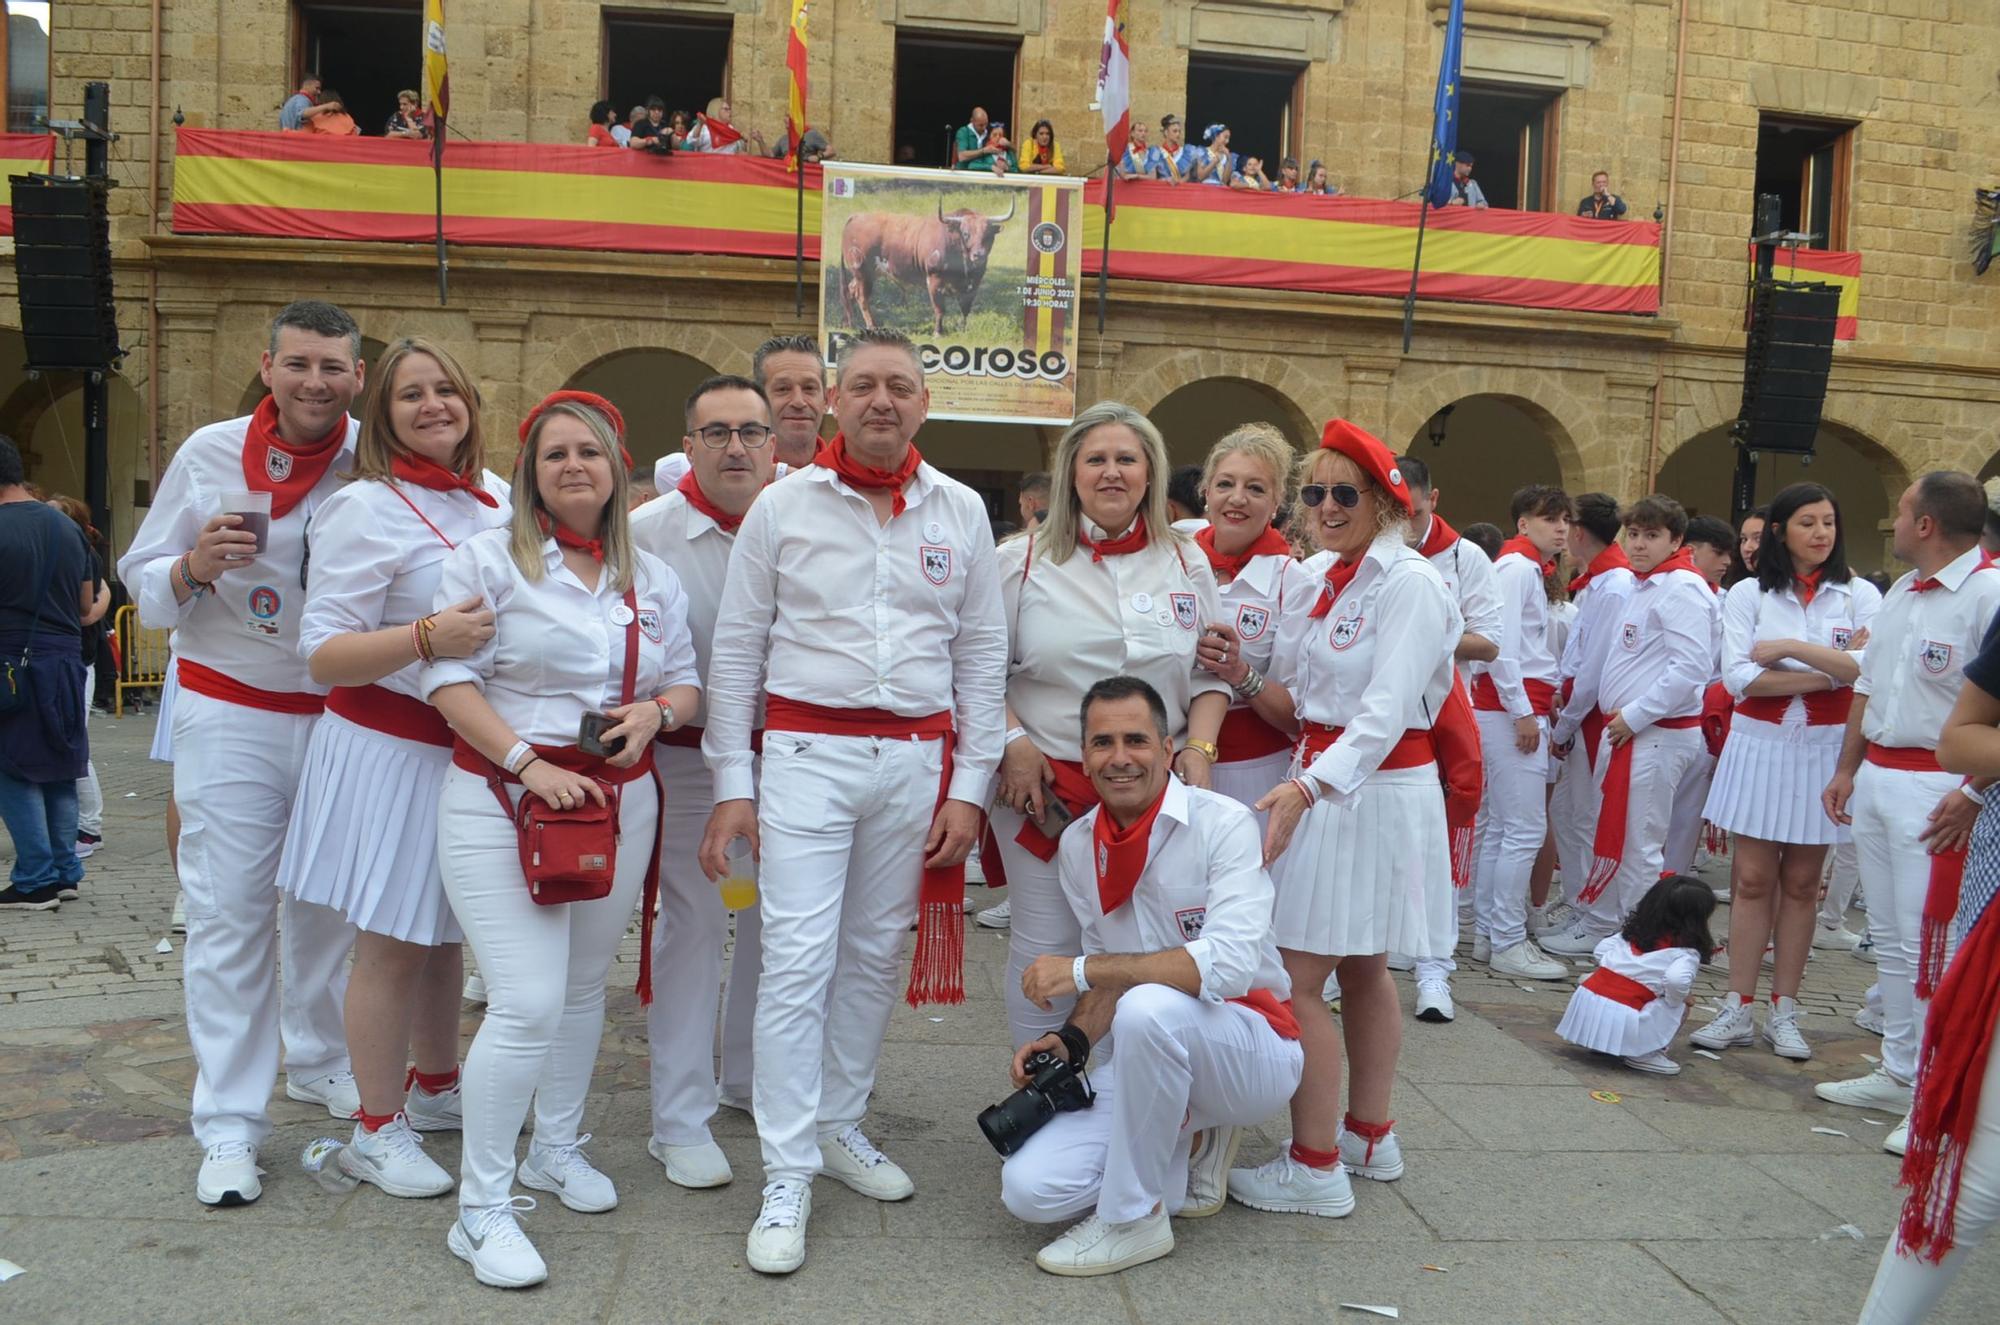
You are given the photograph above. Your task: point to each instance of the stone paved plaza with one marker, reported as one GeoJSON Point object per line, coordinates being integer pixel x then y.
{"type": "Point", "coordinates": [1543, 1185]}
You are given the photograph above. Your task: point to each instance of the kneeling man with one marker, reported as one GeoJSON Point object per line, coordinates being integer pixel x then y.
{"type": "Point", "coordinates": [1179, 975]}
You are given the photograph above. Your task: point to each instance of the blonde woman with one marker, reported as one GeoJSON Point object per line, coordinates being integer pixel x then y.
{"type": "Point", "coordinates": [712, 132]}
{"type": "Point", "coordinates": [363, 837]}
{"type": "Point", "coordinates": [1104, 587]}
{"type": "Point", "coordinates": [570, 597]}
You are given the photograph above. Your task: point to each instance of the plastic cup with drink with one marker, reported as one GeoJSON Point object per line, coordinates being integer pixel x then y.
{"type": "Point", "coordinates": [739, 881]}
{"type": "Point", "coordinates": [253, 512]}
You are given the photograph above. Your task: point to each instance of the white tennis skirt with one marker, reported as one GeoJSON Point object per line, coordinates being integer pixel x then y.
{"type": "Point", "coordinates": [1370, 872]}
{"type": "Point", "coordinates": [1768, 781]}
{"type": "Point", "coordinates": [163, 730]}
{"type": "Point", "coordinates": [1246, 781]}
{"type": "Point", "coordinates": [363, 838]}
{"type": "Point", "coordinates": [1595, 1022]}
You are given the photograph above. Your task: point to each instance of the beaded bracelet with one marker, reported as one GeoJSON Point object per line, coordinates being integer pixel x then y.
{"type": "Point", "coordinates": [196, 588]}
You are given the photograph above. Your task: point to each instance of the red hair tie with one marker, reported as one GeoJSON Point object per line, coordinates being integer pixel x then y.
{"type": "Point", "coordinates": [588, 399]}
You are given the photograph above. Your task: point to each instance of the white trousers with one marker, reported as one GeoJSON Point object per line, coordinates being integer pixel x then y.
{"type": "Point", "coordinates": [1039, 922]}
{"type": "Point", "coordinates": [687, 967]}
{"type": "Point", "coordinates": [544, 967]}
{"type": "Point", "coordinates": [1889, 808]}
{"type": "Point", "coordinates": [1180, 1065]}
{"type": "Point", "coordinates": [236, 770]}
{"type": "Point", "coordinates": [1906, 1289]}
{"type": "Point", "coordinates": [1843, 881]}
{"type": "Point", "coordinates": [1684, 827]}
{"type": "Point", "coordinates": [1661, 760]}
{"type": "Point", "coordinates": [843, 820]}
{"type": "Point", "coordinates": [1573, 818]}
{"type": "Point", "coordinates": [89, 795]}
{"type": "Point", "coordinates": [1513, 823]}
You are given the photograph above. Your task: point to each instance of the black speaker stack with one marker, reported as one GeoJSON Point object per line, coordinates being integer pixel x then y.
{"type": "Point", "coordinates": [62, 260]}
{"type": "Point", "coordinates": [1785, 365]}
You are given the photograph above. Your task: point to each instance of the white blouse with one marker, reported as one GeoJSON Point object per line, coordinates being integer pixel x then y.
{"type": "Point", "coordinates": [1837, 613]}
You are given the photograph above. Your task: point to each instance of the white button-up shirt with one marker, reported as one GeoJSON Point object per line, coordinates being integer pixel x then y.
{"type": "Point", "coordinates": [1377, 664]}
{"type": "Point", "coordinates": [1254, 603]}
{"type": "Point", "coordinates": [1598, 609]}
{"type": "Point", "coordinates": [1074, 623]}
{"type": "Point", "coordinates": [1468, 578]}
{"type": "Point", "coordinates": [1662, 650]}
{"type": "Point", "coordinates": [375, 563]}
{"type": "Point", "coordinates": [1524, 633]}
{"type": "Point", "coordinates": [826, 605]}
{"type": "Point", "coordinates": [556, 651]}
{"type": "Point", "coordinates": [248, 627]}
{"type": "Point", "coordinates": [1918, 646]}
{"type": "Point", "coordinates": [1750, 616]}
{"type": "Point", "coordinates": [1204, 889]}
{"type": "Point", "coordinates": [696, 549]}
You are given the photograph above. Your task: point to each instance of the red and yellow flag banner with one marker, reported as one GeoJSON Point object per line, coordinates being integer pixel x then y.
{"type": "Point", "coordinates": [795, 66]}
{"type": "Point", "coordinates": [1828, 268]}
{"type": "Point", "coordinates": [22, 154]}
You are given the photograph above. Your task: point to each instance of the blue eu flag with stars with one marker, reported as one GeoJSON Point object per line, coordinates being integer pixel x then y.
{"type": "Point", "coordinates": [1444, 123]}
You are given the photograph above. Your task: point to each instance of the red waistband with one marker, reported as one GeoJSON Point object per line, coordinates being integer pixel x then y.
{"type": "Point", "coordinates": [794, 715]}
{"type": "Point", "coordinates": [391, 713]}
{"type": "Point", "coordinates": [1906, 758]}
{"type": "Point", "coordinates": [208, 681]}
{"type": "Point", "coordinates": [1671, 724]}
{"type": "Point", "coordinates": [1607, 983]}
{"type": "Point", "coordinates": [1486, 695]}
{"type": "Point", "coordinates": [1273, 1009]}
{"type": "Point", "coordinates": [1412, 750]}
{"type": "Point", "coordinates": [689, 738]}
{"type": "Point", "coordinates": [1824, 708]}
{"type": "Point", "coordinates": [562, 756]}
{"type": "Point", "coordinates": [1246, 736]}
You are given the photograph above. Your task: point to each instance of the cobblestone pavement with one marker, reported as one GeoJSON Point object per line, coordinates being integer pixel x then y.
{"type": "Point", "coordinates": [1543, 1183]}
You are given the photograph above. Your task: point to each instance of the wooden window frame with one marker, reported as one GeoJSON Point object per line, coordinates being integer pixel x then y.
{"type": "Point", "coordinates": [662, 17]}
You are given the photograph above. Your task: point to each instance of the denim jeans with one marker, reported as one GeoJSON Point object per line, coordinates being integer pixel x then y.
{"type": "Point", "coordinates": [41, 818]}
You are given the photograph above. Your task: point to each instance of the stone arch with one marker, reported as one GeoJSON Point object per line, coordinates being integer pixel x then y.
{"type": "Point", "coordinates": [649, 385]}
{"type": "Point", "coordinates": [1492, 444]}
{"type": "Point", "coordinates": [1193, 417]}
{"type": "Point", "coordinates": [1300, 397]}
{"type": "Point", "coordinates": [596, 341]}
{"type": "Point", "coordinates": [1542, 397]}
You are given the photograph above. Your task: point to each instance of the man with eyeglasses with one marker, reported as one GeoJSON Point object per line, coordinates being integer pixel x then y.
{"type": "Point", "coordinates": [692, 528]}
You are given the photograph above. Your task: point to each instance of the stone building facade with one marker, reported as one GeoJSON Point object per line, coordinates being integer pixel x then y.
{"type": "Point", "coordinates": [1592, 401]}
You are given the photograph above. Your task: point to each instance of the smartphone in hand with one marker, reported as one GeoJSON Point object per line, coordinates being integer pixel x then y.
{"type": "Point", "coordinates": [590, 735]}
{"type": "Point", "coordinates": [1055, 817]}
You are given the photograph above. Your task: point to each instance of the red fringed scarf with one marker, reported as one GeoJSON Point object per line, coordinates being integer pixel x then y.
{"type": "Point", "coordinates": [1940, 907]}
{"type": "Point", "coordinates": [430, 474]}
{"type": "Point", "coordinates": [1228, 566]}
{"type": "Point", "coordinates": [720, 135]}
{"type": "Point", "coordinates": [690, 487]}
{"type": "Point", "coordinates": [1519, 545]}
{"type": "Point", "coordinates": [1070, 785]}
{"type": "Point", "coordinates": [1612, 558]}
{"type": "Point", "coordinates": [1455, 741]}
{"type": "Point", "coordinates": [288, 472]}
{"type": "Point", "coordinates": [1338, 576]}
{"type": "Point", "coordinates": [1438, 538]}
{"type": "Point", "coordinates": [833, 455]}
{"type": "Point", "coordinates": [1132, 540]}
{"type": "Point", "coordinates": [1119, 854]}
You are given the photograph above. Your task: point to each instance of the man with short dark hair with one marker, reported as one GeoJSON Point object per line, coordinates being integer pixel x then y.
{"type": "Point", "coordinates": [1178, 968]}
{"type": "Point", "coordinates": [1033, 495]}
{"type": "Point", "coordinates": [304, 106]}
{"type": "Point", "coordinates": [1464, 191]}
{"type": "Point", "coordinates": [792, 376]}
{"type": "Point", "coordinates": [1601, 204]}
{"type": "Point", "coordinates": [1711, 545]}
{"type": "Point", "coordinates": [1184, 504]}
{"type": "Point", "coordinates": [652, 134]}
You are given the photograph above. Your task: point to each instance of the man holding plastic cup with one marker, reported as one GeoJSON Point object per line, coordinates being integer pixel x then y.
{"type": "Point", "coordinates": [221, 560]}
{"type": "Point", "coordinates": [730, 448]}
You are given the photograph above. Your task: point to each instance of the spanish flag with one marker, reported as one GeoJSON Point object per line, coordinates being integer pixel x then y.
{"type": "Point", "coordinates": [795, 62]}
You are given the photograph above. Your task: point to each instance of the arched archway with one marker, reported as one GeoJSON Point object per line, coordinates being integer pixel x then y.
{"type": "Point", "coordinates": [1194, 417]}
{"type": "Point", "coordinates": [989, 458]}
{"type": "Point", "coordinates": [650, 387]}
{"type": "Point", "coordinates": [1491, 445]}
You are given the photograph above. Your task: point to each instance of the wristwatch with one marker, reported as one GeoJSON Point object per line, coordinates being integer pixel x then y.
{"type": "Point", "coordinates": [1206, 749]}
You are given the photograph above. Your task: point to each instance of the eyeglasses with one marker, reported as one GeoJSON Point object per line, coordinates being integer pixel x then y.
{"type": "Point", "coordinates": [1345, 495]}
{"type": "Point", "coordinates": [716, 435]}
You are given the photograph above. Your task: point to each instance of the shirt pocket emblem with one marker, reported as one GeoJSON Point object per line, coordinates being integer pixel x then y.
{"type": "Point", "coordinates": [649, 625]}
{"type": "Point", "coordinates": [1841, 635]}
{"type": "Point", "coordinates": [1190, 922]}
{"type": "Point", "coordinates": [1935, 657]}
{"type": "Point", "coordinates": [936, 563]}
{"type": "Point", "coordinates": [1184, 609]}
{"type": "Point", "coordinates": [1631, 635]}
{"type": "Point", "coordinates": [1250, 622]}
{"type": "Point", "coordinates": [1345, 630]}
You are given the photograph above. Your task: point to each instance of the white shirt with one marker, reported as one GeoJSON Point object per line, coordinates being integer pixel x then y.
{"type": "Point", "coordinates": [1918, 646]}
{"type": "Point", "coordinates": [1524, 633]}
{"type": "Point", "coordinates": [1070, 625]}
{"type": "Point", "coordinates": [1377, 664]}
{"type": "Point", "coordinates": [696, 549]}
{"type": "Point", "coordinates": [376, 564]}
{"type": "Point", "coordinates": [1668, 972]}
{"type": "Point", "coordinates": [1750, 616]}
{"type": "Point", "coordinates": [1204, 889]}
{"type": "Point", "coordinates": [556, 650]}
{"type": "Point", "coordinates": [1468, 578]}
{"type": "Point", "coordinates": [1662, 650]}
{"type": "Point", "coordinates": [826, 605]}
{"type": "Point", "coordinates": [1254, 603]}
{"type": "Point", "coordinates": [1598, 609]}
{"type": "Point", "coordinates": [248, 626]}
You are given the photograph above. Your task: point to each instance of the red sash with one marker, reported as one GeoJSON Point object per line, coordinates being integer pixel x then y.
{"type": "Point", "coordinates": [1716, 709]}
{"type": "Point", "coordinates": [1903, 758]}
{"type": "Point", "coordinates": [207, 681]}
{"type": "Point", "coordinates": [1486, 695]}
{"type": "Point", "coordinates": [1245, 736]}
{"type": "Point", "coordinates": [1412, 750]}
{"type": "Point", "coordinates": [1608, 848]}
{"type": "Point", "coordinates": [1607, 983]}
{"type": "Point", "coordinates": [1272, 1009]}
{"type": "Point", "coordinates": [1940, 906]}
{"type": "Point", "coordinates": [1824, 708]}
{"type": "Point", "coordinates": [1077, 793]}
{"type": "Point", "coordinates": [1461, 768]}
{"type": "Point", "coordinates": [391, 713]}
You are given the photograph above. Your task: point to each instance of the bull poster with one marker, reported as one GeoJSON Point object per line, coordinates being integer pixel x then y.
{"type": "Point", "coordinates": [984, 273]}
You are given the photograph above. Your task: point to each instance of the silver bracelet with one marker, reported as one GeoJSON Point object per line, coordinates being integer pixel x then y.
{"type": "Point", "coordinates": [1252, 686]}
{"type": "Point", "coordinates": [1076, 976]}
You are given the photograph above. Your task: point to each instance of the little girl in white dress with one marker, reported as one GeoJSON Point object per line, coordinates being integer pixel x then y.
{"type": "Point", "coordinates": [1633, 1003]}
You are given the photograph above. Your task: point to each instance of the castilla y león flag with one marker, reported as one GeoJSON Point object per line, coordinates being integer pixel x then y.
{"type": "Point", "coordinates": [437, 77]}
{"type": "Point", "coordinates": [795, 63]}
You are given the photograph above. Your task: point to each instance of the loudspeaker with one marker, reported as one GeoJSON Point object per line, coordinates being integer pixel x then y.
{"type": "Point", "coordinates": [62, 259]}
{"type": "Point", "coordinates": [1785, 365]}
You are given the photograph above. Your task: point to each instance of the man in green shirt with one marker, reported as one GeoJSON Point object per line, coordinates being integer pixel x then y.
{"type": "Point", "coordinates": [982, 145]}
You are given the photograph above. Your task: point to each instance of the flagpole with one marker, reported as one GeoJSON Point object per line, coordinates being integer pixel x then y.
{"type": "Point", "coordinates": [1104, 252]}
{"type": "Point", "coordinates": [799, 228]}
{"type": "Point", "coordinates": [437, 172]}
{"type": "Point", "coordinates": [1410, 299]}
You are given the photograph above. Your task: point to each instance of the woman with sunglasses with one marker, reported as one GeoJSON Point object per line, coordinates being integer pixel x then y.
{"type": "Point", "coordinates": [1104, 587]}
{"type": "Point", "coordinates": [1366, 664]}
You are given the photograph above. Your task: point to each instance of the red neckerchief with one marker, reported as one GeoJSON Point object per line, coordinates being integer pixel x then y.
{"type": "Point", "coordinates": [1681, 560]}
{"type": "Point", "coordinates": [426, 473]}
{"type": "Point", "coordinates": [1120, 853]}
{"type": "Point", "coordinates": [1925, 584]}
{"type": "Point", "coordinates": [1437, 538]}
{"type": "Point", "coordinates": [1520, 544]}
{"type": "Point", "coordinates": [1270, 543]}
{"type": "Point", "coordinates": [720, 135]}
{"type": "Point", "coordinates": [567, 537]}
{"type": "Point", "coordinates": [690, 487]}
{"type": "Point", "coordinates": [272, 464]}
{"type": "Point", "coordinates": [1338, 576]}
{"type": "Point", "coordinates": [833, 455]}
{"type": "Point", "coordinates": [1806, 585]}
{"type": "Point", "coordinates": [1612, 558]}
{"type": "Point", "coordinates": [1132, 540]}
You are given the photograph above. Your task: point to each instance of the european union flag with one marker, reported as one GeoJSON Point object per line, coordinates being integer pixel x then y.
{"type": "Point", "coordinates": [1444, 121]}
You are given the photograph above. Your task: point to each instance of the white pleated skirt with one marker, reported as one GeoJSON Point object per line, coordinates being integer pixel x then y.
{"type": "Point", "coordinates": [1368, 873]}
{"type": "Point", "coordinates": [1595, 1022]}
{"type": "Point", "coordinates": [1246, 781]}
{"type": "Point", "coordinates": [1768, 781]}
{"type": "Point", "coordinates": [363, 839]}
{"type": "Point", "coordinates": [163, 730]}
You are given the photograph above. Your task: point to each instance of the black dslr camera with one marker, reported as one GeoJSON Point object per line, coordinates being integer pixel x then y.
{"type": "Point", "coordinates": [1054, 1087]}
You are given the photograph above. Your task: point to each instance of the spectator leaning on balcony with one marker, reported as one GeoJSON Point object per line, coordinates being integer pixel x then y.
{"type": "Point", "coordinates": [305, 105]}
{"type": "Point", "coordinates": [1044, 157]}
{"type": "Point", "coordinates": [1464, 193]}
{"type": "Point", "coordinates": [623, 132]}
{"type": "Point", "coordinates": [712, 132]}
{"type": "Point", "coordinates": [1218, 164]}
{"type": "Point", "coordinates": [409, 120]}
{"type": "Point", "coordinates": [1317, 182]}
{"type": "Point", "coordinates": [335, 122]}
{"type": "Point", "coordinates": [1252, 176]}
{"type": "Point", "coordinates": [1288, 177]}
{"type": "Point", "coordinates": [652, 134]}
{"type": "Point", "coordinates": [1601, 204]}
{"type": "Point", "coordinates": [603, 116]}
{"type": "Point", "coordinates": [980, 143]}
{"type": "Point", "coordinates": [1139, 160]}
{"type": "Point", "coordinates": [818, 149]}
{"type": "Point", "coordinates": [1177, 157]}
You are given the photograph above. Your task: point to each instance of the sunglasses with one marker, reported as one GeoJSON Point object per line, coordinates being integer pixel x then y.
{"type": "Point", "coordinates": [1345, 495]}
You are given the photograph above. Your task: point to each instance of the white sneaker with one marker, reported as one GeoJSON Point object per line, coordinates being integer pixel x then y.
{"type": "Point", "coordinates": [974, 871]}
{"type": "Point", "coordinates": [1553, 918]}
{"type": "Point", "coordinates": [1657, 1063]}
{"type": "Point", "coordinates": [229, 1175]}
{"type": "Point", "coordinates": [850, 1158]}
{"type": "Point", "coordinates": [997, 917]}
{"type": "Point", "coordinates": [740, 1103]}
{"type": "Point", "coordinates": [1482, 948]}
{"type": "Point", "coordinates": [1877, 1090]}
{"type": "Point", "coordinates": [1329, 992]}
{"type": "Point", "coordinates": [1871, 1020]}
{"type": "Point", "coordinates": [475, 988]}
{"type": "Point", "coordinates": [1837, 938]}
{"type": "Point", "coordinates": [490, 1240]}
{"type": "Point", "coordinates": [1525, 961]}
{"type": "Point", "coordinates": [1434, 1000]}
{"type": "Point", "coordinates": [1208, 1172]}
{"type": "Point", "coordinates": [695, 1167]}
{"type": "Point", "coordinates": [1898, 1140]}
{"type": "Point", "coordinates": [1732, 1025]}
{"type": "Point", "coordinates": [1781, 1030]}
{"type": "Point", "coordinates": [179, 922]}
{"type": "Point", "coordinates": [568, 1172]}
{"type": "Point", "coordinates": [1097, 1246]}
{"type": "Point", "coordinates": [1402, 962]}
{"type": "Point", "coordinates": [1863, 950]}
{"type": "Point", "coordinates": [1381, 1160]}
{"type": "Point", "coordinates": [335, 1091]}
{"type": "Point", "coordinates": [1286, 1186]}
{"type": "Point", "coordinates": [393, 1159]}
{"type": "Point", "coordinates": [778, 1238]}
{"type": "Point", "coordinates": [442, 1112]}
{"type": "Point", "coordinates": [1573, 941]}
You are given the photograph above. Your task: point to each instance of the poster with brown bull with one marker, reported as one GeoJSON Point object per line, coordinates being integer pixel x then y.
{"type": "Point", "coordinates": [984, 273]}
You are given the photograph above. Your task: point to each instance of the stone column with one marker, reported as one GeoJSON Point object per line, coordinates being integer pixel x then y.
{"type": "Point", "coordinates": [501, 337]}
{"type": "Point", "coordinates": [1368, 383]}
{"type": "Point", "coordinates": [186, 361]}
{"type": "Point", "coordinates": [1614, 461]}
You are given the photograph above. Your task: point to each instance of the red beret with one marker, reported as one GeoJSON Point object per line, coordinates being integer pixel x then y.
{"type": "Point", "coordinates": [1376, 460]}
{"type": "Point", "coordinates": [589, 399]}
